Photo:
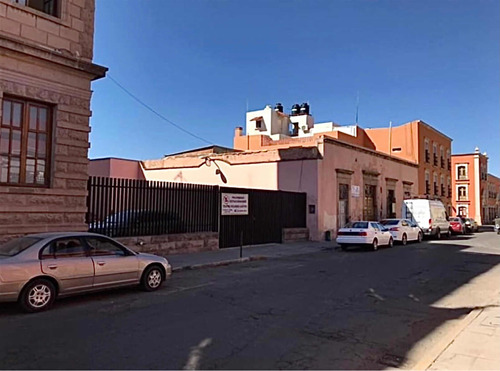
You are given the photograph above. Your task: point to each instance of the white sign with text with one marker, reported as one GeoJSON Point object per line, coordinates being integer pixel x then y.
{"type": "Point", "coordinates": [234, 204]}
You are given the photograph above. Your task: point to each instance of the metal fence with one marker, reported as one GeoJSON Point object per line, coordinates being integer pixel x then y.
{"type": "Point", "coordinates": [129, 207]}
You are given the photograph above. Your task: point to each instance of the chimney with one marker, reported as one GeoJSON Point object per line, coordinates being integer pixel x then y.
{"type": "Point", "coordinates": [238, 132]}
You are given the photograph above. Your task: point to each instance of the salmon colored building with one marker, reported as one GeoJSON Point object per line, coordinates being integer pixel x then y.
{"type": "Point", "coordinates": [475, 192]}
{"type": "Point", "coordinates": [425, 146]}
{"type": "Point", "coordinates": [46, 70]}
{"type": "Point", "coordinates": [344, 177]}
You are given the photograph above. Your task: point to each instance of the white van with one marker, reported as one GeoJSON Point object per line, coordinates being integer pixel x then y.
{"type": "Point", "coordinates": [430, 216]}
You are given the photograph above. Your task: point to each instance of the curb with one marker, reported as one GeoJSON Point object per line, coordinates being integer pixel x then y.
{"type": "Point", "coordinates": [446, 341]}
{"type": "Point", "coordinates": [218, 264]}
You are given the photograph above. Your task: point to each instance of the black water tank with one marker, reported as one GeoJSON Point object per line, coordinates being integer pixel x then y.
{"type": "Point", "coordinates": [304, 109]}
{"type": "Point", "coordinates": [278, 107]}
{"type": "Point", "coordinates": [295, 109]}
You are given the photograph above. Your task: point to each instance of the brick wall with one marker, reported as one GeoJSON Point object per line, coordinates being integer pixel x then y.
{"type": "Point", "coordinates": [173, 243]}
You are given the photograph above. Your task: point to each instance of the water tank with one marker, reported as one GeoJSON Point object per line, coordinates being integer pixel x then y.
{"type": "Point", "coordinates": [304, 109]}
{"type": "Point", "coordinates": [278, 107]}
{"type": "Point", "coordinates": [295, 109]}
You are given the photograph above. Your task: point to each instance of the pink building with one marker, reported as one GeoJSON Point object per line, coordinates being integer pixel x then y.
{"type": "Point", "coordinates": [342, 181]}
{"type": "Point", "coordinates": [112, 167]}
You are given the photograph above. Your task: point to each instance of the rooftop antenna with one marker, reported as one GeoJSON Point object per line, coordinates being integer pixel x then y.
{"type": "Point", "coordinates": [357, 107]}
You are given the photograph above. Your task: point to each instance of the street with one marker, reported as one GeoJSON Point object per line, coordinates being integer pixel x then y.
{"type": "Point", "coordinates": [325, 310]}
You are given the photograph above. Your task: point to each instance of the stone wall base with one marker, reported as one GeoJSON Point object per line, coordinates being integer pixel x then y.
{"type": "Point", "coordinates": [295, 234]}
{"type": "Point", "coordinates": [173, 243]}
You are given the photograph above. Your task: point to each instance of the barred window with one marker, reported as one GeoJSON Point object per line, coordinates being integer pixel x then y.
{"type": "Point", "coordinates": [24, 142]}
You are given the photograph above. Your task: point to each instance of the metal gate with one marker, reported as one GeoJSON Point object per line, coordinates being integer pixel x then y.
{"type": "Point", "coordinates": [268, 213]}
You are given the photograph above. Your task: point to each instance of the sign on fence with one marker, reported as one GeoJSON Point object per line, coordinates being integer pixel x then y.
{"type": "Point", "coordinates": [234, 204]}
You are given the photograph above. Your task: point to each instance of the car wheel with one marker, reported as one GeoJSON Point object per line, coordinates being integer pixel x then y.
{"type": "Point", "coordinates": [391, 242]}
{"type": "Point", "coordinates": [404, 239]}
{"type": "Point", "coordinates": [37, 296]}
{"type": "Point", "coordinates": [152, 278]}
{"type": "Point", "coordinates": [438, 234]}
{"type": "Point", "coordinates": [420, 237]}
{"type": "Point", "coordinates": [375, 245]}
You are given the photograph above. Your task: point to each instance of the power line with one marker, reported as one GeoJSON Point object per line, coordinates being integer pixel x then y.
{"type": "Point", "coordinates": [155, 112]}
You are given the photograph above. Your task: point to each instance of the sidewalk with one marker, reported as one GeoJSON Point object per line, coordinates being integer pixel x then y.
{"type": "Point", "coordinates": [232, 254]}
{"type": "Point", "coordinates": [477, 346]}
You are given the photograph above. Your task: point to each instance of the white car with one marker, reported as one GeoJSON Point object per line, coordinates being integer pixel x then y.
{"type": "Point", "coordinates": [364, 233]}
{"type": "Point", "coordinates": [403, 230]}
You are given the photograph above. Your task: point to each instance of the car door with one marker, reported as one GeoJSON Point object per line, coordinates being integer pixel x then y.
{"type": "Point", "coordinates": [385, 234]}
{"type": "Point", "coordinates": [406, 228]}
{"type": "Point", "coordinates": [114, 265]}
{"type": "Point", "coordinates": [67, 260]}
{"type": "Point", "coordinates": [377, 233]}
{"type": "Point", "coordinates": [414, 228]}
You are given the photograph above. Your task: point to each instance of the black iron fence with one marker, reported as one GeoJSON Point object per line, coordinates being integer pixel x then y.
{"type": "Point", "coordinates": [128, 207]}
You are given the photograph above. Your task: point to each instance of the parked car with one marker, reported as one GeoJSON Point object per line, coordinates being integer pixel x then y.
{"type": "Point", "coordinates": [457, 226]}
{"type": "Point", "coordinates": [364, 233]}
{"type": "Point", "coordinates": [497, 225]}
{"type": "Point", "coordinates": [403, 230]}
{"type": "Point", "coordinates": [36, 269]}
{"type": "Point", "coordinates": [470, 225]}
{"type": "Point", "coordinates": [430, 215]}
{"type": "Point", "coordinates": [138, 222]}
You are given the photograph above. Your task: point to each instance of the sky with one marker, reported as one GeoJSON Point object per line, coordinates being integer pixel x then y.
{"type": "Point", "coordinates": [200, 64]}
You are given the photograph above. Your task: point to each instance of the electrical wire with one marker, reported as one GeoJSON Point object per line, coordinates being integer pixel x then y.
{"type": "Point", "coordinates": [155, 112]}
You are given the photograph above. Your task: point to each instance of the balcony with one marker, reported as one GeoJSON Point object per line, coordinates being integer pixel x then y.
{"type": "Point", "coordinates": [427, 188]}
{"type": "Point", "coordinates": [435, 160]}
{"type": "Point", "coordinates": [427, 156]}
{"type": "Point", "coordinates": [443, 193]}
{"type": "Point", "coordinates": [462, 177]}
{"type": "Point", "coordinates": [442, 162]}
{"type": "Point", "coordinates": [436, 189]}
{"type": "Point", "coordinates": [463, 198]}
{"type": "Point", "coordinates": [449, 164]}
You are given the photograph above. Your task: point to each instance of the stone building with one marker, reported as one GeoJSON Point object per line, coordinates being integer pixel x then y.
{"type": "Point", "coordinates": [46, 70]}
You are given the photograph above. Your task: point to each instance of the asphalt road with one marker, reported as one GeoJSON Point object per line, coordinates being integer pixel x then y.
{"type": "Point", "coordinates": [326, 310]}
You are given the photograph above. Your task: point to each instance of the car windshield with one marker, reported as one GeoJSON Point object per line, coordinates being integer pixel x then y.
{"type": "Point", "coordinates": [389, 222]}
{"type": "Point", "coordinates": [17, 245]}
{"type": "Point", "coordinates": [359, 225]}
{"type": "Point", "coordinates": [455, 220]}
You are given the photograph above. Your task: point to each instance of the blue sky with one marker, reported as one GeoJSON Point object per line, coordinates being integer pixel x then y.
{"type": "Point", "coordinates": [199, 63]}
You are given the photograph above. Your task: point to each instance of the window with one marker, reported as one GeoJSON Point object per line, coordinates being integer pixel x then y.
{"type": "Point", "coordinates": [427, 155]}
{"type": "Point", "coordinates": [442, 157]}
{"type": "Point", "coordinates": [462, 193]}
{"type": "Point", "coordinates": [462, 172]}
{"type": "Point", "coordinates": [435, 184]}
{"type": "Point", "coordinates": [448, 159]}
{"type": "Point", "coordinates": [46, 6]}
{"type": "Point", "coordinates": [375, 226]}
{"type": "Point", "coordinates": [102, 246]}
{"type": "Point", "coordinates": [427, 183]}
{"type": "Point", "coordinates": [435, 154]}
{"type": "Point", "coordinates": [24, 143]}
{"type": "Point", "coordinates": [442, 186]}
{"type": "Point", "coordinates": [258, 124]}
{"type": "Point", "coordinates": [64, 248]}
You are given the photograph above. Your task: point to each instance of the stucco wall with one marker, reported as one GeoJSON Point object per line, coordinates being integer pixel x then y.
{"type": "Point", "coordinates": [344, 158]}
{"type": "Point", "coordinates": [257, 175]}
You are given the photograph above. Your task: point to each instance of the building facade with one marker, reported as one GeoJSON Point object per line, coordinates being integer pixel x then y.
{"type": "Point", "coordinates": [345, 179]}
{"type": "Point", "coordinates": [46, 70]}
{"type": "Point", "coordinates": [425, 146]}
{"type": "Point", "coordinates": [475, 192]}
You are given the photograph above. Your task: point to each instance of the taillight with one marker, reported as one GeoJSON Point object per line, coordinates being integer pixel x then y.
{"type": "Point", "coordinates": [430, 221]}
{"type": "Point", "coordinates": [340, 233]}
{"type": "Point", "coordinates": [362, 234]}
{"type": "Point", "coordinates": [395, 229]}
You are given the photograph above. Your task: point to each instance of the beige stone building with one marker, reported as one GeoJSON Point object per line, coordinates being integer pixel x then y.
{"type": "Point", "coordinates": [46, 70]}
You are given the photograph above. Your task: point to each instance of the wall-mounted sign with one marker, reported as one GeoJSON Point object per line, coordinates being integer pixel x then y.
{"type": "Point", "coordinates": [234, 204]}
{"type": "Point", "coordinates": [355, 191]}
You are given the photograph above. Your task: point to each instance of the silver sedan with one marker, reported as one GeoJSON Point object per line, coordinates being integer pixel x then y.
{"type": "Point", "coordinates": [37, 268]}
